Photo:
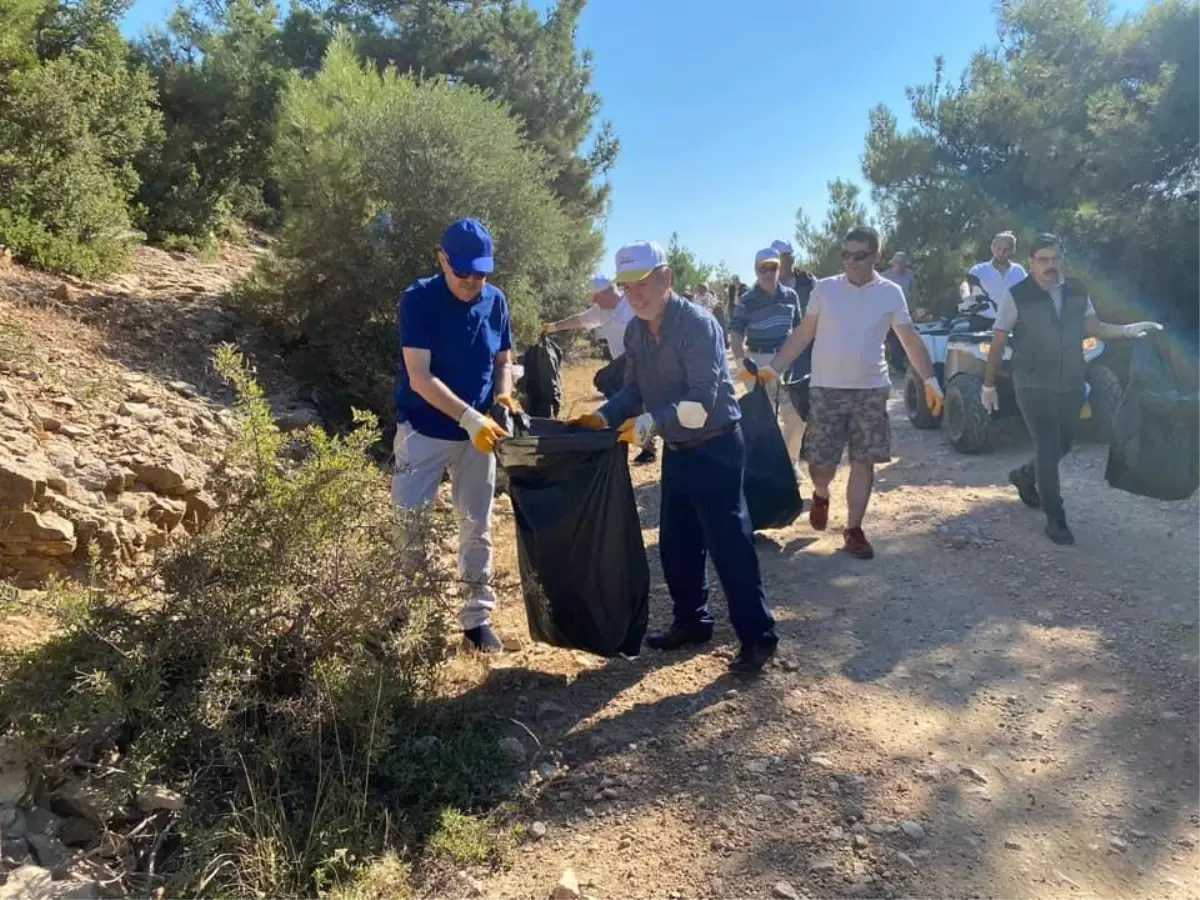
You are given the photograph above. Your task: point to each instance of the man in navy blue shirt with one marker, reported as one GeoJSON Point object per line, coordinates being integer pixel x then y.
{"type": "Point", "coordinates": [677, 383]}
{"type": "Point", "coordinates": [455, 348]}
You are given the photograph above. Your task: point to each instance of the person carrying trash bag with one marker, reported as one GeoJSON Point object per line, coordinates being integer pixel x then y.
{"type": "Point", "coordinates": [771, 486]}
{"type": "Point", "coordinates": [677, 382]}
{"type": "Point", "coordinates": [455, 363]}
{"type": "Point", "coordinates": [760, 324]}
{"type": "Point", "coordinates": [583, 567]}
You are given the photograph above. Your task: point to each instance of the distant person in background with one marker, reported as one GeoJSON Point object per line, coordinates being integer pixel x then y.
{"type": "Point", "coordinates": [609, 314]}
{"type": "Point", "coordinates": [792, 276]}
{"type": "Point", "coordinates": [758, 328]}
{"type": "Point", "coordinates": [994, 278]}
{"type": "Point", "coordinates": [900, 271]}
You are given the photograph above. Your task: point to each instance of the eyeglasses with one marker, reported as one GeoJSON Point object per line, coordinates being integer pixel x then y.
{"type": "Point", "coordinates": [469, 276]}
{"type": "Point", "coordinates": [857, 256]}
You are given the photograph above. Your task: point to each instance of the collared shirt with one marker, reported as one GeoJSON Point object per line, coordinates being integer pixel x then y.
{"type": "Point", "coordinates": [852, 323]}
{"type": "Point", "coordinates": [995, 282]}
{"type": "Point", "coordinates": [611, 324]}
{"type": "Point", "coordinates": [686, 362]}
{"type": "Point", "coordinates": [766, 319]}
{"type": "Point", "coordinates": [463, 340]}
{"type": "Point", "coordinates": [1006, 307]}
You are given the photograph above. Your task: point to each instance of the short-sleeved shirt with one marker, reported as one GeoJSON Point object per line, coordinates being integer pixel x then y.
{"type": "Point", "coordinates": [995, 282]}
{"type": "Point", "coordinates": [852, 323]}
{"type": "Point", "coordinates": [709, 301]}
{"type": "Point", "coordinates": [765, 319]}
{"type": "Point", "coordinates": [686, 362]}
{"type": "Point", "coordinates": [1006, 308]}
{"type": "Point", "coordinates": [610, 322]}
{"type": "Point", "coordinates": [463, 340]}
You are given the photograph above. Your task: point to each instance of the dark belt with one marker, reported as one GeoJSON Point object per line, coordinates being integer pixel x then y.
{"type": "Point", "coordinates": [763, 348]}
{"type": "Point", "coordinates": [677, 446]}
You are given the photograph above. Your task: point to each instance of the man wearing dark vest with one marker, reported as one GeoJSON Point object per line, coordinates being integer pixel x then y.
{"type": "Point", "coordinates": [1048, 317]}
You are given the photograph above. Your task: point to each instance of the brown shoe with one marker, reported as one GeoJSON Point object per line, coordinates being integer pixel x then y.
{"type": "Point", "coordinates": [857, 544]}
{"type": "Point", "coordinates": [818, 513]}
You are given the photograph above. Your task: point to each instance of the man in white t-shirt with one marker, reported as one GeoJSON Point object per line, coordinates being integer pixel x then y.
{"type": "Point", "coordinates": [849, 315]}
{"type": "Point", "coordinates": [994, 277]}
{"type": "Point", "coordinates": [609, 314]}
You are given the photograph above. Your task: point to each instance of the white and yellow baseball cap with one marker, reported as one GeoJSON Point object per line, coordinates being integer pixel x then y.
{"type": "Point", "coordinates": [637, 260]}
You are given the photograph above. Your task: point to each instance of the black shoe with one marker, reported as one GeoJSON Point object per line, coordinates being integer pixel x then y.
{"type": "Point", "coordinates": [648, 455]}
{"type": "Point", "coordinates": [1057, 531]}
{"type": "Point", "coordinates": [484, 639]}
{"type": "Point", "coordinates": [752, 657]}
{"type": "Point", "coordinates": [675, 637]}
{"type": "Point", "coordinates": [1026, 488]}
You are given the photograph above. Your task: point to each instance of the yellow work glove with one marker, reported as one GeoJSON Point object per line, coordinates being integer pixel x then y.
{"type": "Point", "coordinates": [592, 421]}
{"type": "Point", "coordinates": [637, 431]}
{"type": "Point", "coordinates": [933, 396]}
{"type": "Point", "coordinates": [764, 376]}
{"type": "Point", "coordinates": [483, 430]}
{"type": "Point", "coordinates": [547, 328]}
{"type": "Point", "coordinates": [509, 402]}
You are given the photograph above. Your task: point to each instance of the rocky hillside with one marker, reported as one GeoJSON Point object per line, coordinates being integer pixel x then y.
{"type": "Point", "coordinates": [111, 419]}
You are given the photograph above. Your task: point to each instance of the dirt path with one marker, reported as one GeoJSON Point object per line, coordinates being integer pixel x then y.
{"type": "Point", "coordinates": [976, 712]}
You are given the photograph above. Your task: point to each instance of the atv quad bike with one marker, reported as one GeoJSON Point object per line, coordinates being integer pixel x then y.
{"type": "Point", "coordinates": [936, 335]}
{"type": "Point", "coordinates": [969, 427]}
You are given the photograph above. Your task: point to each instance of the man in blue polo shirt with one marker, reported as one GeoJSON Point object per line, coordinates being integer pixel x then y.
{"type": "Point", "coordinates": [677, 383]}
{"type": "Point", "coordinates": [455, 348]}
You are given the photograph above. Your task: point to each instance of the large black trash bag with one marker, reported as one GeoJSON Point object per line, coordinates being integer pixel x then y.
{"type": "Point", "coordinates": [772, 492]}
{"type": "Point", "coordinates": [542, 382]}
{"type": "Point", "coordinates": [579, 542]}
{"type": "Point", "coordinates": [1156, 447]}
{"type": "Point", "coordinates": [611, 377]}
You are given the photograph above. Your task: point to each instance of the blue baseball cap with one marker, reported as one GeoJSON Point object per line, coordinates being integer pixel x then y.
{"type": "Point", "coordinates": [468, 247]}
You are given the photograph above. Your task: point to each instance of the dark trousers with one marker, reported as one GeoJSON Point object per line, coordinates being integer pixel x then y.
{"type": "Point", "coordinates": [704, 512]}
{"type": "Point", "coordinates": [1051, 417]}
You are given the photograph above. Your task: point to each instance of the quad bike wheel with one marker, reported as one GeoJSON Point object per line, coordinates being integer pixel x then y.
{"type": "Point", "coordinates": [914, 402]}
{"type": "Point", "coordinates": [966, 423]}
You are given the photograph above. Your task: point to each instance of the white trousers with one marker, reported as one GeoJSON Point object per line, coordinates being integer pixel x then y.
{"type": "Point", "coordinates": [420, 462]}
{"type": "Point", "coordinates": [790, 422]}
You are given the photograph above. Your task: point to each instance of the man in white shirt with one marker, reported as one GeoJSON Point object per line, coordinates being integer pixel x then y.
{"type": "Point", "coordinates": [610, 314]}
{"type": "Point", "coordinates": [849, 315]}
{"type": "Point", "coordinates": [996, 276]}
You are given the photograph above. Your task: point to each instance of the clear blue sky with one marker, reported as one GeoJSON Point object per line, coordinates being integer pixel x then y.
{"type": "Point", "coordinates": [733, 113]}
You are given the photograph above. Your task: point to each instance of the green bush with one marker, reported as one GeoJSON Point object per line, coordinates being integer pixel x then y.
{"type": "Point", "coordinates": [275, 669]}
{"type": "Point", "coordinates": [73, 115]}
{"type": "Point", "coordinates": [372, 168]}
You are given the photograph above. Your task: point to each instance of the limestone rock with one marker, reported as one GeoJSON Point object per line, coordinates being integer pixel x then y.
{"type": "Point", "coordinates": [21, 483]}
{"type": "Point", "coordinates": [44, 533]}
{"type": "Point", "coordinates": [168, 476]}
{"type": "Point", "coordinates": [37, 883]}
{"type": "Point", "coordinates": [153, 798]}
{"type": "Point", "coordinates": [14, 773]}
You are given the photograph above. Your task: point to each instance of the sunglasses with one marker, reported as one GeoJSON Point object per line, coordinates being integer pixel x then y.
{"type": "Point", "coordinates": [857, 256]}
{"type": "Point", "coordinates": [469, 276]}
{"type": "Point", "coordinates": [762, 270]}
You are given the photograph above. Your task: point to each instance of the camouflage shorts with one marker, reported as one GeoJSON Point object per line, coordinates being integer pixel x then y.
{"type": "Point", "coordinates": [856, 417]}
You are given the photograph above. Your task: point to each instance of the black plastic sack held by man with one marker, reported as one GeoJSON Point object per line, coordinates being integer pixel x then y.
{"type": "Point", "coordinates": [583, 566]}
{"type": "Point", "coordinates": [542, 382]}
{"type": "Point", "coordinates": [1156, 446]}
{"type": "Point", "coordinates": [772, 492]}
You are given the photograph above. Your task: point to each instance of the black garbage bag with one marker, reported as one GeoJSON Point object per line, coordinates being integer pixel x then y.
{"type": "Point", "coordinates": [1156, 446]}
{"type": "Point", "coordinates": [772, 492]}
{"type": "Point", "coordinates": [583, 566]}
{"type": "Point", "coordinates": [542, 382]}
{"type": "Point", "coordinates": [611, 377]}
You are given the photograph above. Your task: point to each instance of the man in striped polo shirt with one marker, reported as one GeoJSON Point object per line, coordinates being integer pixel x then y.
{"type": "Point", "coordinates": [761, 322]}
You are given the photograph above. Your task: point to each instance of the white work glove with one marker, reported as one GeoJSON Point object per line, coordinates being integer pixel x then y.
{"type": "Point", "coordinates": [637, 431]}
{"type": "Point", "coordinates": [1140, 329]}
{"type": "Point", "coordinates": [933, 395]}
{"type": "Point", "coordinates": [483, 430]}
{"type": "Point", "coordinates": [990, 398]}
